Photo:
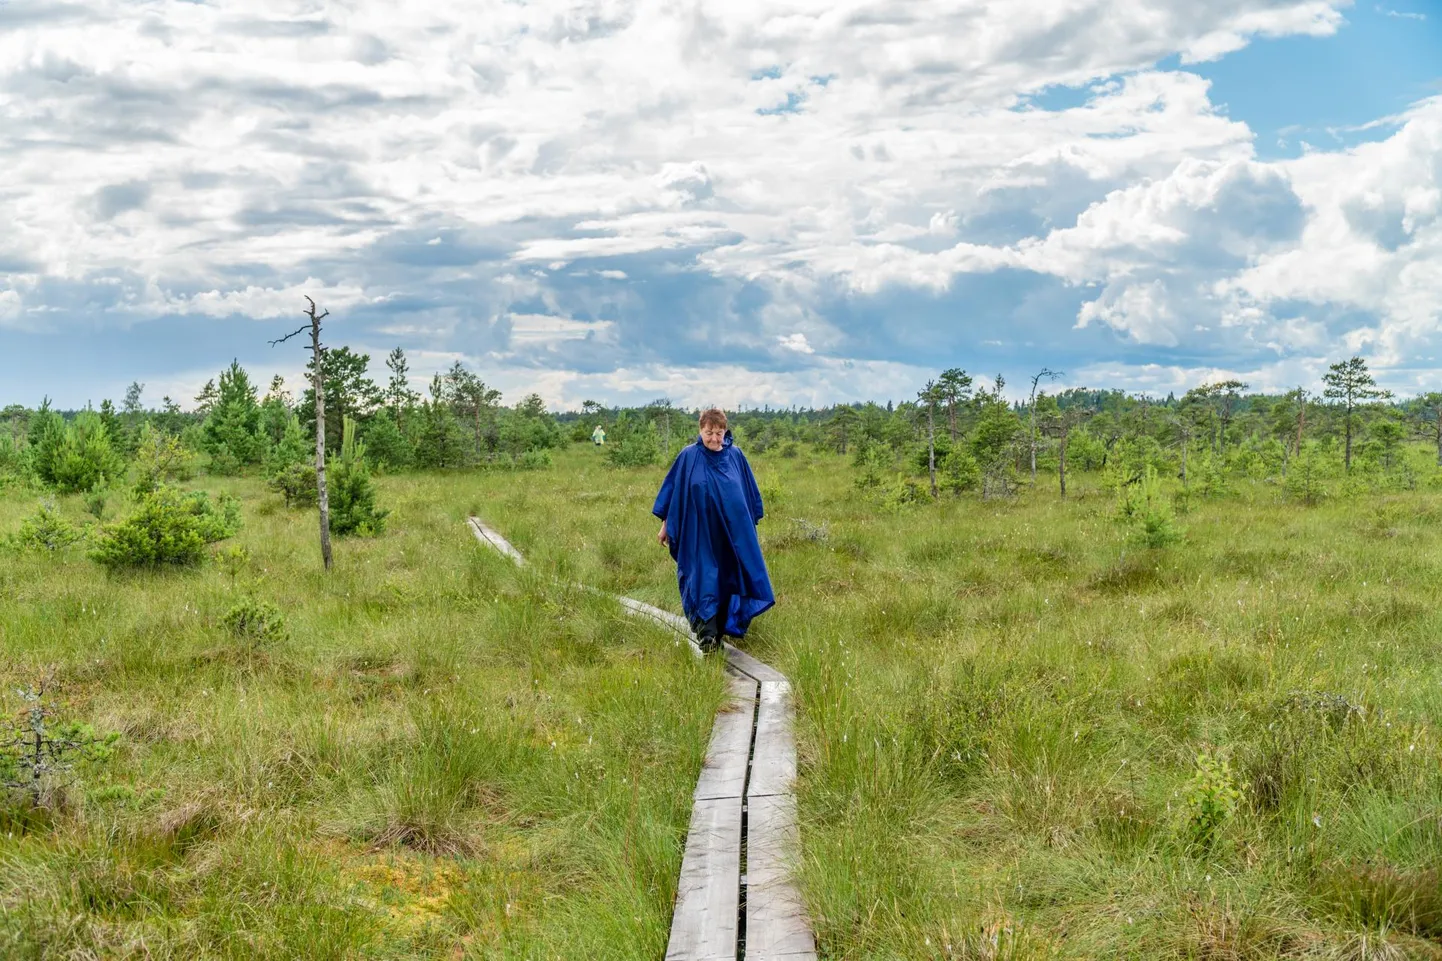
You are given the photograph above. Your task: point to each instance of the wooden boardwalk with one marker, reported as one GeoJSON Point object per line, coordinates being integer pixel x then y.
{"type": "Point", "coordinates": [735, 898]}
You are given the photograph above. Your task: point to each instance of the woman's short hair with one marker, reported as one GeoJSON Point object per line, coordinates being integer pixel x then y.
{"type": "Point", "coordinates": [713, 417]}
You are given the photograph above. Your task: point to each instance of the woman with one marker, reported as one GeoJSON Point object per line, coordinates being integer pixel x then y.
{"type": "Point", "coordinates": [709, 507]}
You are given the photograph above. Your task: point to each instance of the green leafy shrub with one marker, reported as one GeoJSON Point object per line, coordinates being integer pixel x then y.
{"type": "Point", "coordinates": [533, 460]}
{"type": "Point", "coordinates": [159, 459]}
{"type": "Point", "coordinates": [958, 471]}
{"type": "Point", "coordinates": [1309, 474]}
{"type": "Point", "coordinates": [901, 494]}
{"type": "Point", "coordinates": [95, 501]}
{"type": "Point", "coordinates": [872, 462]}
{"type": "Point", "coordinates": [352, 494]}
{"type": "Point", "coordinates": [1212, 797]}
{"type": "Point", "coordinates": [256, 622]}
{"type": "Point", "coordinates": [296, 483]}
{"type": "Point", "coordinates": [45, 530]}
{"type": "Point", "coordinates": [639, 448]}
{"type": "Point", "coordinates": [168, 528]}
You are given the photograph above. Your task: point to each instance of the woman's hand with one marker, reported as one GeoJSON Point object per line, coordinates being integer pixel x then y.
{"type": "Point", "coordinates": [663, 538]}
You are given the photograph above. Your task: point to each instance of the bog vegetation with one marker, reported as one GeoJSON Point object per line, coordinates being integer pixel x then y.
{"type": "Point", "coordinates": [1088, 675]}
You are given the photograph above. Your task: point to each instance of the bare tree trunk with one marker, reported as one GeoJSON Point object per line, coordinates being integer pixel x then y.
{"type": "Point", "coordinates": [323, 495]}
{"type": "Point", "coordinates": [1061, 462]}
{"type": "Point", "coordinates": [1186, 442]}
{"type": "Point", "coordinates": [1033, 440]}
{"type": "Point", "coordinates": [1439, 438]}
{"type": "Point", "coordinates": [931, 446]}
{"type": "Point", "coordinates": [1347, 461]}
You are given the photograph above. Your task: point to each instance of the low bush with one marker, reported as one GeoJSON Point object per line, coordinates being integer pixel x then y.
{"type": "Point", "coordinates": [352, 494]}
{"type": "Point", "coordinates": [168, 527]}
{"type": "Point", "coordinates": [258, 623]}
{"type": "Point", "coordinates": [295, 483]}
{"type": "Point", "coordinates": [45, 530]}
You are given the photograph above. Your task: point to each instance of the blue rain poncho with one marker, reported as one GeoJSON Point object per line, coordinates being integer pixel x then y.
{"type": "Point", "coordinates": [710, 504]}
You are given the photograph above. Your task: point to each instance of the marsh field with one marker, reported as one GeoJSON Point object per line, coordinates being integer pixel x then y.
{"type": "Point", "coordinates": [1021, 734]}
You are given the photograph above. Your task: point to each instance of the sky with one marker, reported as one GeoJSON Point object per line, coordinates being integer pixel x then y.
{"type": "Point", "coordinates": [721, 201]}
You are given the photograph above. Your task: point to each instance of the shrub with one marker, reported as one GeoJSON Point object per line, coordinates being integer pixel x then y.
{"type": "Point", "coordinates": [1308, 474]}
{"type": "Point", "coordinates": [1143, 507]}
{"type": "Point", "coordinates": [95, 503]}
{"type": "Point", "coordinates": [386, 446]}
{"type": "Point", "coordinates": [256, 622]}
{"type": "Point", "coordinates": [640, 448]}
{"type": "Point", "coordinates": [958, 471]}
{"type": "Point", "coordinates": [1212, 797]}
{"type": "Point", "coordinates": [160, 458]}
{"type": "Point", "coordinates": [13, 460]}
{"type": "Point", "coordinates": [902, 494]}
{"type": "Point", "coordinates": [351, 492]}
{"type": "Point", "coordinates": [296, 483]}
{"type": "Point", "coordinates": [223, 461]}
{"type": "Point", "coordinates": [45, 530]}
{"type": "Point", "coordinates": [533, 460]}
{"type": "Point", "coordinates": [167, 528]}
{"type": "Point", "coordinates": [78, 456]}
{"type": "Point", "coordinates": [872, 461]}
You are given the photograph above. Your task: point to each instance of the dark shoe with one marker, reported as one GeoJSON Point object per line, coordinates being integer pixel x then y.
{"type": "Point", "coordinates": [709, 644]}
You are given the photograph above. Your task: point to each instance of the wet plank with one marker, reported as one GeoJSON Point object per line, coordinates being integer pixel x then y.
{"type": "Point", "coordinates": [708, 896]}
{"type": "Point", "coordinates": [776, 922]}
{"type": "Point", "coordinates": [773, 767]}
{"type": "Point", "coordinates": [724, 773]}
{"type": "Point", "coordinates": [489, 537]}
{"type": "Point", "coordinates": [665, 619]}
{"type": "Point", "coordinates": [748, 665]}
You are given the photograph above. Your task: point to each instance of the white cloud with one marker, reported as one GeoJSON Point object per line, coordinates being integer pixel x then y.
{"type": "Point", "coordinates": [455, 168]}
{"type": "Point", "coordinates": [796, 342]}
{"type": "Point", "coordinates": [729, 385]}
{"type": "Point", "coordinates": [544, 330]}
{"type": "Point", "coordinates": [257, 302]}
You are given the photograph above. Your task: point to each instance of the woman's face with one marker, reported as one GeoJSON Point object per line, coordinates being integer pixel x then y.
{"type": "Point", "coordinates": [712, 436]}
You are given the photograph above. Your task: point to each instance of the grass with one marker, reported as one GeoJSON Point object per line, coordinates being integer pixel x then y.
{"type": "Point", "coordinates": [443, 756]}
{"type": "Point", "coordinates": [1002, 713]}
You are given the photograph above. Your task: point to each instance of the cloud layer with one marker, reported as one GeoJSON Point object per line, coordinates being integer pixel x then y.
{"type": "Point", "coordinates": [633, 198]}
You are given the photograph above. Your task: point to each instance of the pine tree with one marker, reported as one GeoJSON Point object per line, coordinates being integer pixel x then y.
{"type": "Point", "coordinates": [232, 431]}
{"type": "Point", "coordinates": [1350, 382]}
{"type": "Point", "coordinates": [352, 494]}
{"type": "Point", "coordinates": [399, 397]}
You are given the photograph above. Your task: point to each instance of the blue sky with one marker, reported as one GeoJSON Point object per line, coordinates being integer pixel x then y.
{"type": "Point", "coordinates": [726, 202]}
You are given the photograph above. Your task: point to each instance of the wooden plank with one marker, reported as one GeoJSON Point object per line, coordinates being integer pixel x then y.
{"type": "Point", "coordinates": [708, 896]}
{"type": "Point", "coordinates": [724, 773]}
{"type": "Point", "coordinates": [674, 621]}
{"type": "Point", "coordinates": [773, 768]}
{"type": "Point", "coordinates": [776, 922]}
{"type": "Point", "coordinates": [748, 665]}
{"type": "Point", "coordinates": [490, 538]}
{"type": "Point", "coordinates": [662, 618]}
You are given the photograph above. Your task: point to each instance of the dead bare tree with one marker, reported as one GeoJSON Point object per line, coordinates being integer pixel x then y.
{"type": "Point", "coordinates": [1060, 425]}
{"type": "Point", "coordinates": [318, 385]}
{"type": "Point", "coordinates": [1031, 405]}
{"type": "Point", "coordinates": [930, 395]}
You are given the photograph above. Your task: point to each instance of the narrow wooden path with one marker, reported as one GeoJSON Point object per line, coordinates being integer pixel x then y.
{"type": "Point", "coordinates": [735, 899]}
